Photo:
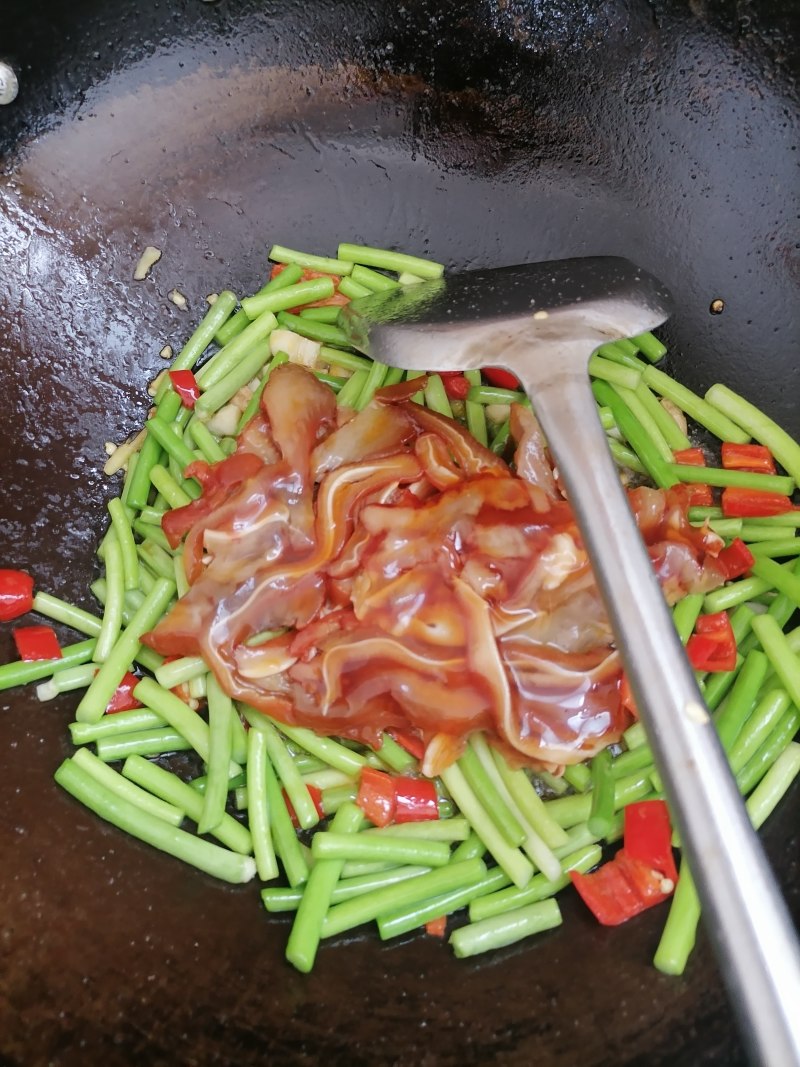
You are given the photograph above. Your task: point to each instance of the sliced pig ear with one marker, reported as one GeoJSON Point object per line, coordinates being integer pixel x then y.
{"type": "Point", "coordinates": [471, 456]}
{"type": "Point", "coordinates": [376, 431]}
{"type": "Point", "coordinates": [402, 392]}
{"type": "Point", "coordinates": [301, 411]}
{"type": "Point", "coordinates": [434, 455]}
{"type": "Point", "coordinates": [531, 459]}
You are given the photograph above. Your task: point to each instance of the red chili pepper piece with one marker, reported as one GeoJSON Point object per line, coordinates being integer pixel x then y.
{"type": "Point", "coordinates": [436, 927]}
{"type": "Point", "coordinates": [747, 458]}
{"type": "Point", "coordinates": [410, 742]}
{"type": "Point", "coordinates": [648, 836]}
{"type": "Point", "coordinates": [415, 800]}
{"type": "Point", "coordinates": [712, 624]}
{"type": "Point", "coordinates": [701, 650]}
{"type": "Point", "coordinates": [185, 385]}
{"type": "Point", "coordinates": [16, 594]}
{"type": "Point", "coordinates": [36, 642]}
{"type": "Point", "coordinates": [649, 884]}
{"type": "Point", "coordinates": [385, 798]}
{"type": "Point", "coordinates": [338, 300]}
{"type": "Point", "coordinates": [712, 647]}
{"type": "Point", "coordinates": [736, 559]}
{"type": "Point", "coordinates": [316, 796]}
{"type": "Point", "coordinates": [307, 274]}
{"type": "Point", "coordinates": [502, 378]}
{"type": "Point", "coordinates": [456, 386]}
{"type": "Point", "coordinates": [608, 894]}
{"type": "Point", "coordinates": [700, 496]}
{"type": "Point", "coordinates": [123, 698]}
{"type": "Point", "coordinates": [620, 889]}
{"type": "Point", "coordinates": [690, 457]}
{"type": "Point", "coordinates": [376, 796]}
{"type": "Point", "coordinates": [753, 503]}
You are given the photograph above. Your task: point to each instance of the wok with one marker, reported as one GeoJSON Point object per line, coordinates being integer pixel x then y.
{"type": "Point", "coordinates": [480, 133]}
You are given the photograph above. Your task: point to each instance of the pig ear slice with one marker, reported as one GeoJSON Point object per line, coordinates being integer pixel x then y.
{"type": "Point", "coordinates": [470, 455]}
{"type": "Point", "coordinates": [371, 434]}
{"type": "Point", "coordinates": [531, 459]}
{"type": "Point", "coordinates": [301, 412]}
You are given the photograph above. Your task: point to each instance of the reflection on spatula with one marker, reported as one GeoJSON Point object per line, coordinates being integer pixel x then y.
{"type": "Point", "coordinates": [543, 321]}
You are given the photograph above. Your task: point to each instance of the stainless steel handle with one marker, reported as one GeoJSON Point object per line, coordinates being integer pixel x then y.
{"type": "Point", "coordinates": [748, 921]}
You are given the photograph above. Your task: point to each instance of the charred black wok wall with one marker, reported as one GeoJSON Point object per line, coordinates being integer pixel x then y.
{"type": "Point", "coordinates": [681, 117]}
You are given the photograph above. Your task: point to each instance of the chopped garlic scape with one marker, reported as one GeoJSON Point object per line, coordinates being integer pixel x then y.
{"type": "Point", "coordinates": [147, 261]}
{"type": "Point", "coordinates": [178, 299]}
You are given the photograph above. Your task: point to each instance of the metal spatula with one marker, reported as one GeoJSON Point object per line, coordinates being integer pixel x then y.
{"type": "Point", "coordinates": [542, 321]}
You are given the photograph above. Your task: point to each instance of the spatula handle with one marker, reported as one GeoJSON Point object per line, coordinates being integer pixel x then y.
{"type": "Point", "coordinates": [747, 918]}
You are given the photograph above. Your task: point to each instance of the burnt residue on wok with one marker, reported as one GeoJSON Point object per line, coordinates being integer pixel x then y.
{"type": "Point", "coordinates": [481, 133]}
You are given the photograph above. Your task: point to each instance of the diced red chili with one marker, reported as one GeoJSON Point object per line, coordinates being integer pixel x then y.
{"type": "Point", "coordinates": [455, 385]}
{"type": "Point", "coordinates": [36, 642]}
{"type": "Point", "coordinates": [712, 647]}
{"type": "Point", "coordinates": [16, 594]}
{"type": "Point", "coordinates": [718, 622]}
{"type": "Point", "coordinates": [307, 274]}
{"type": "Point", "coordinates": [736, 559]}
{"type": "Point", "coordinates": [316, 796]}
{"type": "Point", "coordinates": [123, 698]}
{"type": "Point", "coordinates": [500, 377]}
{"type": "Point", "coordinates": [608, 894]}
{"type": "Point", "coordinates": [753, 503]}
{"type": "Point", "coordinates": [747, 458]}
{"type": "Point", "coordinates": [185, 385]}
{"type": "Point", "coordinates": [376, 796]}
{"type": "Point", "coordinates": [642, 873]}
{"type": "Point", "coordinates": [700, 495]}
{"type": "Point", "coordinates": [436, 927]}
{"type": "Point", "coordinates": [648, 836]}
{"type": "Point", "coordinates": [386, 798]}
{"type": "Point", "coordinates": [410, 742]}
{"type": "Point", "coordinates": [690, 457]}
{"type": "Point", "coordinates": [416, 800]}
{"type": "Point", "coordinates": [621, 888]}
{"type": "Point", "coordinates": [649, 884]}
{"type": "Point", "coordinates": [337, 300]}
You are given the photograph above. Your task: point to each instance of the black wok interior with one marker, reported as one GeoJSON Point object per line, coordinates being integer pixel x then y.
{"type": "Point", "coordinates": [481, 133]}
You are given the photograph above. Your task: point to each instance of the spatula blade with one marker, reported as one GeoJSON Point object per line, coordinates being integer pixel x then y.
{"type": "Point", "coordinates": [474, 318]}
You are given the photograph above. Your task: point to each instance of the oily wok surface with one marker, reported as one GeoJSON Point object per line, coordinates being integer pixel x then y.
{"type": "Point", "coordinates": [481, 134]}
